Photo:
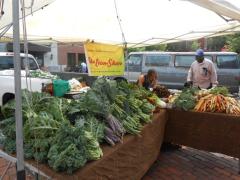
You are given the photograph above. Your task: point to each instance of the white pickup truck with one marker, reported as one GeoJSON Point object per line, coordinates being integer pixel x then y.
{"type": "Point", "coordinates": [7, 90]}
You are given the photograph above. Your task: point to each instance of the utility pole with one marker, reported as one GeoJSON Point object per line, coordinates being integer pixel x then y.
{"type": "Point", "coordinates": [18, 96]}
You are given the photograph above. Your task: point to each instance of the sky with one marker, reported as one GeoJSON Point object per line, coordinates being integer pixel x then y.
{"type": "Point", "coordinates": [140, 19]}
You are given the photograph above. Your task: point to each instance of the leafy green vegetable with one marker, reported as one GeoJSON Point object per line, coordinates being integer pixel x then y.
{"type": "Point", "coordinates": [115, 130]}
{"type": "Point", "coordinates": [186, 100]}
{"type": "Point", "coordinates": [91, 124]}
{"type": "Point", "coordinates": [93, 150]}
{"type": "Point", "coordinates": [68, 159]}
{"type": "Point", "coordinates": [105, 87]}
{"type": "Point", "coordinates": [220, 90]}
{"type": "Point", "coordinates": [68, 149]}
{"type": "Point", "coordinates": [8, 130]}
{"type": "Point", "coordinates": [97, 104]}
{"type": "Point", "coordinates": [42, 74]}
{"type": "Point", "coordinates": [147, 107]}
{"type": "Point", "coordinates": [8, 109]}
{"type": "Point", "coordinates": [67, 133]}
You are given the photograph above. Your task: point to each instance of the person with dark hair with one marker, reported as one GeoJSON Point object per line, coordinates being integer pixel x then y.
{"type": "Point", "coordinates": [148, 80]}
{"type": "Point", "coordinates": [202, 73]}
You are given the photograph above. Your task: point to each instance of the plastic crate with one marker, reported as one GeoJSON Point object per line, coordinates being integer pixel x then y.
{"type": "Point", "coordinates": [60, 87]}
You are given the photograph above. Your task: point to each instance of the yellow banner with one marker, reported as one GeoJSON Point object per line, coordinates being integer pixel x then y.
{"type": "Point", "coordinates": [104, 59]}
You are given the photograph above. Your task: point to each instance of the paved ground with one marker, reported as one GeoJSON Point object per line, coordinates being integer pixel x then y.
{"type": "Point", "coordinates": [181, 164]}
{"type": "Point", "coordinates": [8, 171]}
{"type": "Point", "coordinates": [188, 164]}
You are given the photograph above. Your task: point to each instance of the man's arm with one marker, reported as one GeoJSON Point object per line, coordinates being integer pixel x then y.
{"type": "Point", "coordinates": [213, 76]}
{"type": "Point", "coordinates": [190, 76]}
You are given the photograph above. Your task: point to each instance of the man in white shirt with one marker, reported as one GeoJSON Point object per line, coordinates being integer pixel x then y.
{"type": "Point", "coordinates": [84, 67]}
{"type": "Point", "coordinates": [202, 72]}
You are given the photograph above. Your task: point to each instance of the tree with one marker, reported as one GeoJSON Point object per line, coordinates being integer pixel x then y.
{"type": "Point", "coordinates": [233, 42]}
{"type": "Point", "coordinates": [194, 45]}
{"type": "Point", "coordinates": [159, 47]}
{"type": "Point", "coordinates": [136, 49]}
{"type": "Point", "coordinates": [178, 46]}
{"type": "Point", "coordinates": [216, 43]}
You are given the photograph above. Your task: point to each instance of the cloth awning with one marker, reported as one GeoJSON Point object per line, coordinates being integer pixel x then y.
{"type": "Point", "coordinates": [221, 7]}
{"type": "Point", "coordinates": [144, 22]}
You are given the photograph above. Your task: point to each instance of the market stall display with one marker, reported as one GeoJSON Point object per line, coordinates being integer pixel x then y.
{"type": "Point", "coordinates": [42, 74]}
{"type": "Point", "coordinates": [216, 100]}
{"type": "Point", "coordinates": [67, 133]}
{"type": "Point", "coordinates": [186, 100]}
{"type": "Point", "coordinates": [218, 103]}
{"type": "Point", "coordinates": [130, 159]}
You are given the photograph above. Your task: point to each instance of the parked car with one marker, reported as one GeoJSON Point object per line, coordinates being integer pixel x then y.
{"type": "Point", "coordinates": [7, 76]}
{"type": "Point", "coordinates": [172, 67]}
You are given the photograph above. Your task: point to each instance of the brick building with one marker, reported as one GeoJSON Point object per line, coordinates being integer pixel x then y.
{"type": "Point", "coordinates": [64, 56]}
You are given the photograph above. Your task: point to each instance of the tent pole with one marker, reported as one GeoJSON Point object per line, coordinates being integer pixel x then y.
{"type": "Point", "coordinates": [18, 96]}
{"type": "Point", "coordinates": [125, 58]}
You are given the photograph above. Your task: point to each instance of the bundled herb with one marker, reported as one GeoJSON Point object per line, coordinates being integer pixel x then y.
{"type": "Point", "coordinates": [68, 149]}
{"type": "Point", "coordinates": [93, 150]}
{"type": "Point", "coordinates": [8, 129]}
{"type": "Point", "coordinates": [115, 131]}
{"type": "Point", "coordinates": [38, 131]}
{"type": "Point", "coordinates": [96, 103]}
{"type": "Point", "coordinates": [42, 116]}
{"type": "Point", "coordinates": [145, 118]}
{"type": "Point", "coordinates": [105, 87]}
{"type": "Point", "coordinates": [161, 91]}
{"type": "Point", "coordinates": [147, 107]}
{"type": "Point", "coordinates": [91, 124]}
{"type": "Point", "coordinates": [66, 159]}
{"type": "Point", "coordinates": [130, 124]}
{"type": "Point", "coordinates": [219, 90]}
{"type": "Point", "coordinates": [8, 109]}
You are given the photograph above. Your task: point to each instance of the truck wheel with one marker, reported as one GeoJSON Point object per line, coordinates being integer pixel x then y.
{"type": "Point", "coordinates": [7, 97]}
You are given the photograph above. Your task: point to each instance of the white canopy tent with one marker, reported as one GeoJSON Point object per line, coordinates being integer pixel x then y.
{"type": "Point", "coordinates": [144, 22]}
{"type": "Point", "coordinates": [31, 6]}
{"type": "Point", "coordinates": [221, 7]}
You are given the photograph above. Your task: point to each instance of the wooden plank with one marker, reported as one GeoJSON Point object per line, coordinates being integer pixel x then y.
{"type": "Point", "coordinates": [212, 132]}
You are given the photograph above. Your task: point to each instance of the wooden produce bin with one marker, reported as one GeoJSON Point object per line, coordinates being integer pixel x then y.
{"type": "Point", "coordinates": [212, 132]}
{"type": "Point", "coordinates": [128, 160]}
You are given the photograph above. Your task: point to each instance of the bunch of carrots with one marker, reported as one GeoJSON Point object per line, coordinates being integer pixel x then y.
{"type": "Point", "coordinates": [218, 103]}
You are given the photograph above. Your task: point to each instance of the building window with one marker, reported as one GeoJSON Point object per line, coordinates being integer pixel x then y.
{"type": "Point", "coordinates": [71, 59]}
{"type": "Point", "coordinates": [81, 58]}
